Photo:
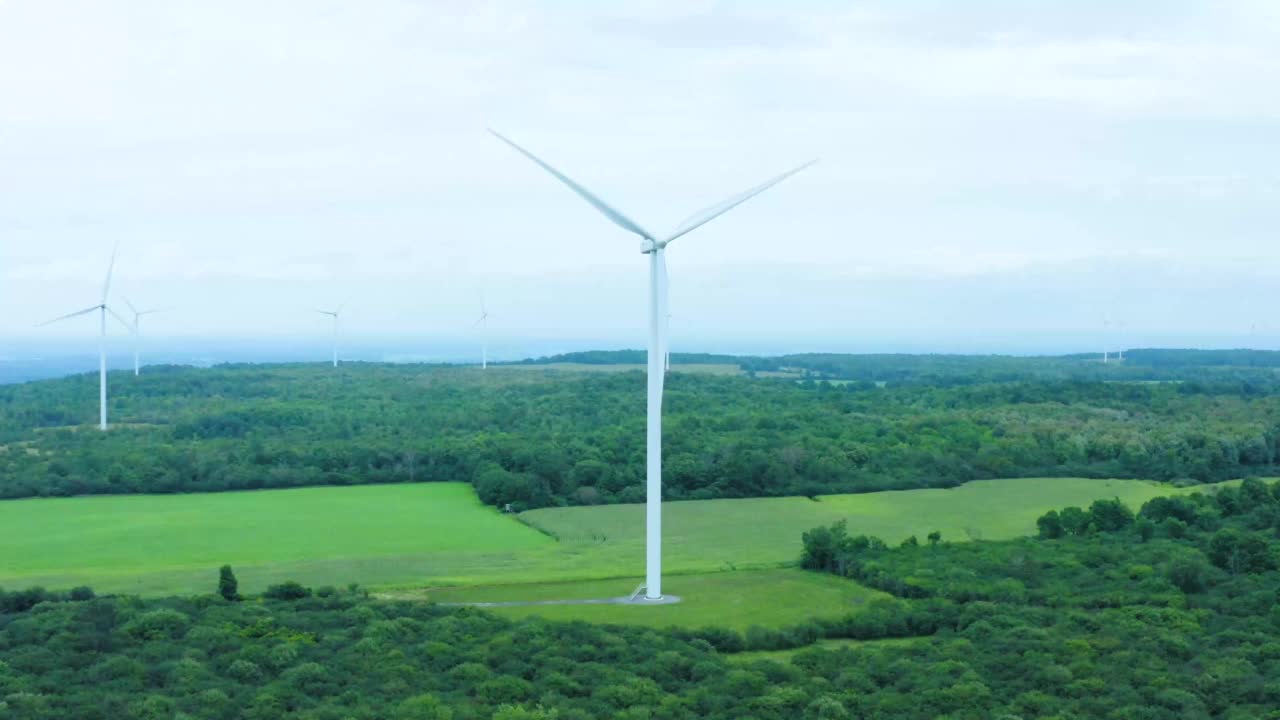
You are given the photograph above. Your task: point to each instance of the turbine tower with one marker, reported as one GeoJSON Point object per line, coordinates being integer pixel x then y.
{"type": "Point", "coordinates": [654, 246]}
{"type": "Point", "coordinates": [334, 314]}
{"type": "Point", "coordinates": [483, 324]}
{"type": "Point", "coordinates": [103, 310]}
{"type": "Point", "coordinates": [137, 335]}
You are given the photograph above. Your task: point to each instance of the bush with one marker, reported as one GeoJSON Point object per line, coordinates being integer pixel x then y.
{"type": "Point", "coordinates": [1110, 515]}
{"type": "Point", "coordinates": [287, 591]}
{"type": "Point", "coordinates": [1050, 525]}
{"type": "Point", "coordinates": [158, 625]}
{"type": "Point", "coordinates": [1189, 574]}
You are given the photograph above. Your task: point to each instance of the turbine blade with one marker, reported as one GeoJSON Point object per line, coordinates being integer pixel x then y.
{"type": "Point", "coordinates": [127, 325]}
{"type": "Point", "coordinates": [327, 312]}
{"type": "Point", "coordinates": [106, 286]}
{"type": "Point", "coordinates": [131, 307]}
{"type": "Point", "coordinates": [607, 210]}
{"type": "Point", "coordinates": [78, 313]}
{"type": "Point", "coordinates": [704, 216]}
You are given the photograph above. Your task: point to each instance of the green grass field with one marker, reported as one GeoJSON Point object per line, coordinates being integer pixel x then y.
{"type": "Point", "coordinates": [433, 535]}
{"type": "Point", "coordinates": [778, 597]}
{"type": "Point", "coordinates": [172, 543]}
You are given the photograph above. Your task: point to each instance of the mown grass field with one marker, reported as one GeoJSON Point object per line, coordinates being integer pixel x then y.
{"type": "Point", "coordinates": [434, 535]}
{"type": "Point", "coordinates": [172, 543]}
{"type": "Point", "coordinates": [777, 597]}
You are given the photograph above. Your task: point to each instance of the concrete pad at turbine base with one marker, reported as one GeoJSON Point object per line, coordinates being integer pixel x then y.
{"type": "Point", "coordinates": [664, 600]}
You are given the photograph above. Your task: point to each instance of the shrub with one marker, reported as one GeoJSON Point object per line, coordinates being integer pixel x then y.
{"type": "Point", "coordinates": [287, 591]}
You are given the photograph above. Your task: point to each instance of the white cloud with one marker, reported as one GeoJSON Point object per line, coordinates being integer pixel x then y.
{"type": "Point", "coordinates": [268, 155]}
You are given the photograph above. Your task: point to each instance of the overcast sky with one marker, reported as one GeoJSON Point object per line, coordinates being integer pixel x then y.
{"type": "Point", "coordinates": [987, 167]}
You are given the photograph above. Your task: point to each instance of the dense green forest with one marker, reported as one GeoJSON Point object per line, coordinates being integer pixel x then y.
{"type": "Point", "coordinates": [534, 437]}
{"type": "Point", "coordinates": [1171, 613]}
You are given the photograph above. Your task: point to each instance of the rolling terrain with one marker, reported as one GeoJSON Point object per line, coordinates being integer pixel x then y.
{"type": "Point", "coordinates": [440, 534]}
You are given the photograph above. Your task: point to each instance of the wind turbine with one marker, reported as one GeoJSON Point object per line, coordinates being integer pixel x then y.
{"type": "Point", "coordinates": [483, 323]}
{"type": "Point", "coordinates": [102, 309]}
{"type": "Point", "coordinates": [334, 314]}
{"type": "Point", "coordinates": [137, 316]}
{"type": "Point", "coordinates": [654, 247]}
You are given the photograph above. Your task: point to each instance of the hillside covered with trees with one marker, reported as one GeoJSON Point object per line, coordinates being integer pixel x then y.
{"type": "Point", "coordinates": [533, 437]}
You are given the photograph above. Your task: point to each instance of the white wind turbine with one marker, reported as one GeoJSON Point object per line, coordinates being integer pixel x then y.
{"type": "Point", "coordinates": [137, 333]}
{"type": "Point", "coordinates": [483, 324]}
{"type": "Point", "coordinates": [653, 246]}
{"type": "Point", "coordinates": [102, 309]}
{"type": "Point", "coordinates": [335, 313]}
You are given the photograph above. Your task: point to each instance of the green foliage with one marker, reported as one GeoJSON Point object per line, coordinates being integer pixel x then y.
{"type": "Point", "coordinates": [536, 439]}
{"type": "Point", "coordinates": [1049, 525]}
{"type": "Point", "coordinates": [287, 591]}
{"type": "Point", "coordinates": [1099, 624]}
{"type": "Point", "coordinates": [228, 586]}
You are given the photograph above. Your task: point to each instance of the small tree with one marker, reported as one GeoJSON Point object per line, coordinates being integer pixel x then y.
{"type": "Point", "coordinates": [935, 537]}
{"type": "Point", "coordinates": [228, 586]}
{"type": "Point", "coordinates": [1050, 525]}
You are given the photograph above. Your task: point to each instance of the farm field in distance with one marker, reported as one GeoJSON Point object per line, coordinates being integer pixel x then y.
{"type": "Point", "coordinates": [439, 534]}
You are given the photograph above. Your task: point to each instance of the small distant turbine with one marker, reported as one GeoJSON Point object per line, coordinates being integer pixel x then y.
{"type": "Point", "coordinates": [335, 313]}
{"type": "Point", "coordinates": [103, 310]}
{"type": "Point", "coordinates": [654, 247]}
{"type": "Point", "coordinates": [137, 334]}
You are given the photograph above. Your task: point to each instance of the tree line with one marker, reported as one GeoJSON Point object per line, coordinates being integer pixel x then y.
{"type": "Point", "coordinates": [1170, 612]}
{"type": "Point", "coordinates": [534, 438]}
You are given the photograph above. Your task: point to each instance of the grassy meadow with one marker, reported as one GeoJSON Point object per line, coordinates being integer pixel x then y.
{"type": "Point", "coordinates": [772, 598]}
{"type": "Point", "coordinates": [439, 534]}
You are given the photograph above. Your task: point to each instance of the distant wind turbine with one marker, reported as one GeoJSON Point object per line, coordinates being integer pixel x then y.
{"type": "Point", "coordinates": [483, 324]}
{"type": "Point", "coordinates": [102, 309]}
{"type": "Point", "coordinates": [653, 246]}
{"type": "Point", "coordinates": [137, 332]}
{"type": "Point", "coordinates": [335, 313]}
